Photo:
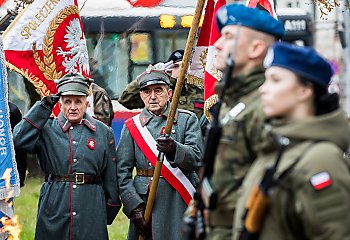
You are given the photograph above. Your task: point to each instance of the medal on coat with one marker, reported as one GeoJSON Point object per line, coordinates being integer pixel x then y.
{"type": "Point", "coordinates": [91, 143]}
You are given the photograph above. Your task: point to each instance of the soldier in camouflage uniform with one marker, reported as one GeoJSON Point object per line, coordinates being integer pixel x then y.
{"type": "Point", "coordinates": [103, 108]}
{"type": "Point", "coordinates": [191, 95]}
{"type": "Point", "coordinates": [311, 193]}
{"type": "Point", "coordinates": [246, 34]}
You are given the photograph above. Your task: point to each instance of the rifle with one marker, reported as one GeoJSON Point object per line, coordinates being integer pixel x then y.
{"type": "Point", "coordinates": [259, 199]}
{"type": "Point", "coordinates": [205, 196]}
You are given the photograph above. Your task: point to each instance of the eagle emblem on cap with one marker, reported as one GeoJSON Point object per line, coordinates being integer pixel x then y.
{"type": "Point", "coordinates": [91, 143]}
{"type": "Point", "coordinates": [222, 15]}
{"type": "Point", "coordinates": [269, 58]}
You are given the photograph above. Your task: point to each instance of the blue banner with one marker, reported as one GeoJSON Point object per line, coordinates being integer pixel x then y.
{"type": "Point", "coordinates": [9, 178]}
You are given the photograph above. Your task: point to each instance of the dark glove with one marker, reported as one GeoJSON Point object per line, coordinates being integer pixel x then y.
{"type": "Point", "coordinates": [51, 100]}
{"type": "Point", "coordinates": [167, 145]}
{"type": "Point", "coordinates": [137, 217]}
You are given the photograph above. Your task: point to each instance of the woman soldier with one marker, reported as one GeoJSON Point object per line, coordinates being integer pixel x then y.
{"type": "Point", "coordinates": [307, 192]}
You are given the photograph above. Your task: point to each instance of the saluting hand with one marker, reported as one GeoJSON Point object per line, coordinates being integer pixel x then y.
{"type": "Point", "coordinates": [51, 100]}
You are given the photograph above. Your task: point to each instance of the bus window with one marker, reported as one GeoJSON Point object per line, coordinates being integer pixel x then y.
{"type": "Point", "coordinates": [109, 61]}
{"type": "Point", "coordinates": [141, 49]}
{"type": "Point", "coordinates": [141, 53]}
{"type": "Point", "coordinates": [168, 41]}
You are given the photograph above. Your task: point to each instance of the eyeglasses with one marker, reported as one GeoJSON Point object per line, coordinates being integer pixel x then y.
{"type": "Point", "coordinates": [157, 91]}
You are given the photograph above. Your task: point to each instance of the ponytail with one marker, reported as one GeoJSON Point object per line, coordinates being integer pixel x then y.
{"type": "Point", "coordinates": [324, 101]}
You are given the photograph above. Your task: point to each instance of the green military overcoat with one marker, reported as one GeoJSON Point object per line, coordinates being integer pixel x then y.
{"type": "Point", "coordinates": [236, 149]}
{"type": "Point", "coordinates": [67, 210]}
{"type": "Point", "coordinates": [312, 200]}
{"type": "Point", "coordinates": [168, 207]}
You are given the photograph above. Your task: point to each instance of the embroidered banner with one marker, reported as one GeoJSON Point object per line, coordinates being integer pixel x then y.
{"type": "Point", "coordinates": [211, 74]}
{"type": "Point", "coordinates": [199, 58]}
{"type": "Point", "coordinates": [147, 144]}
{"type": "Point", "coordinates": [9, 181]}
{"type": "Point", "coordinates": [46, 41]}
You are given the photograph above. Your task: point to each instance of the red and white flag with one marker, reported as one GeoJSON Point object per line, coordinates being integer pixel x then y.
{"type": "Point", "coordinates": [46, 41]}
{"type": "Point", "coordinates": [267, 4]}
{"type": "Point", "coordinates": [211, 74]}
{"type": "Point", "coordinates": [144, 3]}
{"type": "Point", "coordinates": [199, 58]}
{"type": "Point", "coordinates": [321, 180]}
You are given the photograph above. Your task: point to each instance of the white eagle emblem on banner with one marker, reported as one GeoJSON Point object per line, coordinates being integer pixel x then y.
{"type": "Point", "coordinates": [76, 59]}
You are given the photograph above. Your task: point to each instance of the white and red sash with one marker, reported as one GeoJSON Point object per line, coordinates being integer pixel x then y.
{"type": "Point", "coordinates": [147, 144]}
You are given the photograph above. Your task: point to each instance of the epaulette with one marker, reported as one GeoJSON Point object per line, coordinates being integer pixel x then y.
{"type": "Point", "coordinates": [185, 111]}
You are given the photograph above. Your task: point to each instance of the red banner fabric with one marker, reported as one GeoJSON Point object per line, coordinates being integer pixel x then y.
{"type": "Point", "coordinates": [144, 3]}
{"type": "Point", "coordinates": [46, 41]}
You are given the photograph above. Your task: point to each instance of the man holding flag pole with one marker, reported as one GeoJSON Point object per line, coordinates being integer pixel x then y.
{"type": "Point", "coordinates": [179, 147]}
{"type": "Point", "coordinates": [247, 33]}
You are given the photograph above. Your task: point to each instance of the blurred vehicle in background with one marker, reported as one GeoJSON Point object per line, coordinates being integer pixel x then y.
{"type": "Point", "coordinates": [123, 40]}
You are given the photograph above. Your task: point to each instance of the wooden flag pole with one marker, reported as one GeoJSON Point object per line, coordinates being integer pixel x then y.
{"type": "Point", "coordinates": [175, 100]}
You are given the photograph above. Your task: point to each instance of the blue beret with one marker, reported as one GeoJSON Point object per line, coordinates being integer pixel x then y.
{"type": "Point", "coordinates": [238, 14]}
{"type": "Point", "coordinates": [303, 61]}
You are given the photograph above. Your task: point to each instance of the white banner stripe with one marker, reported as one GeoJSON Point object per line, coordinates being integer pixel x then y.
{"type": "Point", "coordinates": [152, 144]}
{"type": "Point", "coordinates": [31, 25]}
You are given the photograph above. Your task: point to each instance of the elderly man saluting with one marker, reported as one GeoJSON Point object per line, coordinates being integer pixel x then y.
{"type": "Point", "coordinates": [141, 139]}
{"type": "Point", "coordinates": [77, 154]}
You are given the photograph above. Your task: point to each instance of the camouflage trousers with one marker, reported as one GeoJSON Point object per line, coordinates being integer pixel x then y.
{"type": "Point", "coordinates": [219, 233]}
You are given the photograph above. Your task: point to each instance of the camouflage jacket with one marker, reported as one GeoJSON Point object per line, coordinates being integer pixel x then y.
{"type": "Point", "coordinates": [103, 108]}
{"type": "Point", "coordinates": [304, 204]}
{"type": "Point", "coordinates": [236, 150]}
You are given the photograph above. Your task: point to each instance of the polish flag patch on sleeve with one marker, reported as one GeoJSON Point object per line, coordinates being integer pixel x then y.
{"type": "Point", "coordinates": [321, 180]}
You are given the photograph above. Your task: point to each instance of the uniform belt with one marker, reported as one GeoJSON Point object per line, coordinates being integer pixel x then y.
{"type": "Point", "coordinates": [150, 172]}
{"type": "Point", "coordinates": [145, 172]}
{"type": "Point", "coordinates": [77, 178]}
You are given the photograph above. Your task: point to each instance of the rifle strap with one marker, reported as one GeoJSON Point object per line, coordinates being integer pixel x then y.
{"type": "Point", "coordinates": [291, 167]}
{"type": "Point", "coordinates": [295, 226]}
{"type": "Point", "coordinates": [252, 154]}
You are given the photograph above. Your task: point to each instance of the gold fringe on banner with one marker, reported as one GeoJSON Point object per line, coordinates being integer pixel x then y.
{"type": "Point", "coordinates": [209, 103]}
{"type": "Point", "coordinates": [39, 85]}
{"type": "Point", "coordinates": [194, 80]}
